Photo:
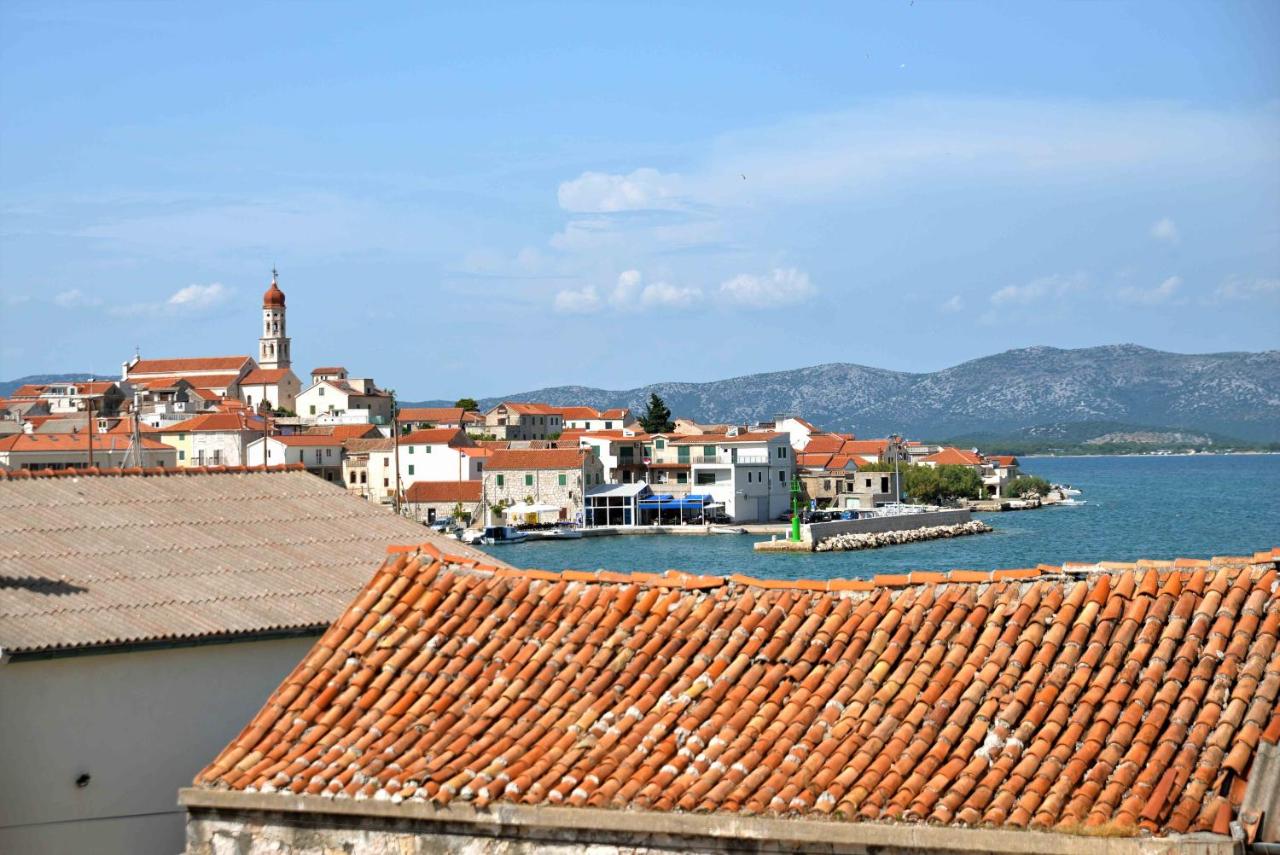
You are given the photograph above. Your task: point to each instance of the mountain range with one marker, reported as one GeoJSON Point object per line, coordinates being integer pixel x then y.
{"type": "Point", "coordinates": [1230, 395]}
{"type": "Point", "coordinates": [1034, 393]}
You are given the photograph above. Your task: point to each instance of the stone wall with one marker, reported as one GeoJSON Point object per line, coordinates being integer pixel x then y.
{"type": "Point", "coordinates": [815, 532]}
{"type": "Point", "coordinates": [545, 489]}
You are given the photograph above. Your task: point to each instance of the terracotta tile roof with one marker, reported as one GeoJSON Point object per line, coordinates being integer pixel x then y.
{"type": "Point", "coordinates": [265, 376]}
{"type": "Point", "coordinates": [83, 387]}
{"type": "Point", "coordinates": [953, 457]}
{"type": "Point", "coordinates": [434, 436]}
{"type": "Point", "coordinates": [92, 561]}
{"type": "Point", "coordinates": [540, 458]}
{"type": "Point", "coordinates": [1133, 698]}
{"type": "Point", "coordinates": [476, 451]}
{"type": "Point", "coordinates": [21, 442]}
{"type": "Point", "coordinates": [755, 436]}
{"type": "Point", "coordinates": [328, 369]}
{"type": "Point", "coordinates": [201, 381]}
{"type": "Point", "coordinates": [306, 439]}
{"type": "Point", "coordinates": [215, 422]}
{"type": "Point", "coordinates": [443, 491]}
{"type": "Point", "coordinates": [1005, 460]}
{"type": "Point", "coordinates": [615, 413]}
{"type": "Point", "coordinates": [434, 415]}
{"type": "Point", "coordinates": [366, 446]}
{"type": "Point", "coordinates": [580, 413]}
{"type": "Point", "coordinates": [865, 446]}
{"type": "Point", "coordinates": [530, 409]}
{"type": "Point", "coordinates": [183, 366]}
{"type": "Point", "coordinates": [346, 431]}
{"type": "Point", "coordinates": [824, 442]}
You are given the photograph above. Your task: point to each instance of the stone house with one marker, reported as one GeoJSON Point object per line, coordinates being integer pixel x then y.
{"type": "Point", "coordinates": [542, 476]}
{"type": "Point", "coordinates": [428, 501]}
{"type": "Point", "coordinates": [520, 420]}
{"type": "Point", "coordinates": [1120, 708]}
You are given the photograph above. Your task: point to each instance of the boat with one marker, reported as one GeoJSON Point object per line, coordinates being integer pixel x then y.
{"type": "Point", "coordinates": [1066, 489]}
{"type": "Point", "coordinates": [560, 534]}
{"type": "Point", "coordinates": [726, 529]}
{"type": "Point", "coordinates": [471, 535]}
{"type": "Point", "coordinates": [496, 535]}
{"type": "Point", "coordinates": [1072, 503]}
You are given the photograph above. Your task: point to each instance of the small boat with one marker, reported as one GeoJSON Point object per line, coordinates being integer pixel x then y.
{"type": "Point", "coordinates": [496, 535]}
{"type": "Point", "coordinates": [471, 535]}
{"type": "Point", "coordinates": [1066, 489]}
{"type": "Point", "coordinates": [1072, 503]}
{"type": "Point", "coordinates": [561, 534]}
{"type": "Point", "coordinates": [726, 529]}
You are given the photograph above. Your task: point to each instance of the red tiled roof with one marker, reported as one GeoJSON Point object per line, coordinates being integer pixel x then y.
{"type": "Point", "coordinates": [722, 439]}
{"type": "Point", "coordinates": [202, 381]}
{"type": "Point", "coordinates": [434, 436]}
{"type": "Point", "coordinates": [346, 431]}
{"type": "Point", "coordinates": [580, 413]}
{"type": "Point", "coordinates": [950, 456]}
{"type": "Point", "coordinates": [1133, 698]}
{"type": "Point", "coordinates": [539, 458]}
{"type": "Point", "coordinates": [83, 387]}
{"type": "Point", "coordinates": [265, 376]}
{"type": "Point", "coordinates": [824, 442]}
{"type": "Point", "coordinates": [1005, 460]}
{"type": "Point", "coordinates": [215, 422]}
{"type": "Point", "coordinates": [615, 413]}
{"type": "Point", "coordinates": [865, 446]}
{"type": "Point", "coordinates": [531, 409]}
{"type": "Point", "coordinates": [307, 439]}
{"type": "Point", "coordinates": [183, 366]}
{"type": "Point", "coordinates": [22, 442]}
{"type": "Point", "coordinates": [330, 369]}
{"type": "Point", "coordinates": [435, 415]}
{"type": "Point", "coordinates": [443, 491]}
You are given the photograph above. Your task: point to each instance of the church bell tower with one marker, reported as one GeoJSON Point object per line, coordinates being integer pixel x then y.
{"type": "Point", "coordinates": [273, 347]}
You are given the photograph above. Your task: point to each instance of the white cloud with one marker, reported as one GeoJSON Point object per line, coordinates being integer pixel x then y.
{"type": "Point", "coordinates": [1165, 230]}
{"type": "Point", "coordinates": [188, 300]}
{"type": "Point", "coordinates": [1242, 288]}
{"type": "Point", "coordinates": [660, 294]}
{"type": "Point", "coordinates": [1162, 293]}
{"type": "Point", "coordinates": [199, 296]}
{"type": "Point", "coordinates": [781, 286]}
{"type": "Point", "coordinates": [582, 301]}
{"type": "Point", "coordinates": [628, 294]}
{"type": "Point", "coordinates": [955, 304]}
{"type": "Point", "coordinates": [605, 193]}
{"type": "Point", "coordinates": [75, 299]}
{"type": "Point", "coordinates": [1044, 288]}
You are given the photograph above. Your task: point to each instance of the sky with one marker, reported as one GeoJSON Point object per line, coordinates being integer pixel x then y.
{"type": "Point", "coordinates": [484, 200]}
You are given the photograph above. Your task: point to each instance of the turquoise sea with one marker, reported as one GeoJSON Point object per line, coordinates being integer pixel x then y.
{"type": "Point", "coordinates": [1136, 507]}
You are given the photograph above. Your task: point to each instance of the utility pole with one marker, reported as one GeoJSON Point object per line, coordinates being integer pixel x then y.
{"type": "Point", "coordinates": [90, 428]}
{"type": "Point", "coordinates": [395, 434]}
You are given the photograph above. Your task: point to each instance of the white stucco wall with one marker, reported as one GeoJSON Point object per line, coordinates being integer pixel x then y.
{"type": "Point", "coordinates": [140, 724]}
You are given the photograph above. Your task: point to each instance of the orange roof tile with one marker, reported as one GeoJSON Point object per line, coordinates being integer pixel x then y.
{"type": "Point", "coordinates": [187, 365]}
{"type": "Point", "coordinates": [443, 491]}
{"type": "Point", "coordinates": [434, 436]}
{"type": "Point", "coordinates": [347, 431]}
{"type": "Point", "coordinates": [433, 415]}
{"type": "Point", "coordinates": [265, 376]}
{"type": "Point", "coordinates": [535, 458]}
{"type": "Point", "coordinates": [1127, 699]}
{"type": "Point", "coordinates": [208, 422]}
{"type": "Point", "coordinates": [22, 442]}
{"type": "Point", "coordinates": [953, 457]}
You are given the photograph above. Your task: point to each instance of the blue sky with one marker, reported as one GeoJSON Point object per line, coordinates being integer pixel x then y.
{"type": "Point", "coordinates": [480, 201]}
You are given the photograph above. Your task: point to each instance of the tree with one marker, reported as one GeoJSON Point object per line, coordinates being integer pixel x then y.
{"type": "Point", "coordinates": [657, 416]}
{"type": "Point", "coordinates": [467, 404]}
{"type": "Point", "coordinates": [1025, 485]}
{"type": "Point", "coordinates": [936, 485]}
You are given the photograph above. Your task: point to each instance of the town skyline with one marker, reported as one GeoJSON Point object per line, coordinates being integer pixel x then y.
{"type": "Point", "coordinates": [652, 194]}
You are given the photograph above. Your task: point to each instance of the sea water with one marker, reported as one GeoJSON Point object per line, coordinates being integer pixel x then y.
{"type": "Point", "coordinates": [1193, 506]}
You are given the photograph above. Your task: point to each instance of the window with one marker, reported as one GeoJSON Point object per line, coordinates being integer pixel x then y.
{"type": "Point", "coordinates": [386, 461]}
{"type": "Point", "coordinates": [682, 453]}
{"type": "Point", "coordinates": [708, 451]}
{"type": "Point", "coordinates": [410, 468]}
{"type": "Point", "coordinates": [313, 409]}
{"type": "Point", "coordinates": [317, 455]}
{"type": "Point", "coordinates": [826, 484]}
{"type": "Point", "coordinates": [501, 481]}
{"type": "Point", "coordinates": [682, 477]}
{"type": "Point", "coordinates": [428, 449]}
{"type": "Point", "coordinates": [659, 443]}
{"type": "Point", "coordinates": [182, 437]}
{"type": "Point", "coordinates": [528, 480]}
{"type": "Point", "coordinates": [706, 478]}
{"type": "Point", "coordinates": [386, 482]}
{"type": "Point", "coordinates": [563, 479]}
{"type": "Point", "coordinates": [411, 449]}
{"type": "Point", "coordinates": [182, 455]}
{"type": "Point", "coordinates": [364, 477]}
{"type": "Point", "coordinates": [328, 452]}
{"type": "Point", "coordinates": [321, 392]}
{"type": "Point", "coordinates": [782, 451]}
{"type": "Point", "coordinates": [868, 482]}
{"type": "Point", "coordinates": [648, 451]}
{"type": "Point", "coordinates": [782, 476]}
{"type": "Point", "coordinates": [353, 477]}
{"type": "Point", "coordinates": [608, 425]}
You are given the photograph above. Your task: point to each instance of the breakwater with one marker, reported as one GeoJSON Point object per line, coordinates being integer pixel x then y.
{"type": "Point", "coordinates": [872, 540]}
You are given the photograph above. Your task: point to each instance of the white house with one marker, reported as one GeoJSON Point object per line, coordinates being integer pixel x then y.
{"type": "Point", "coordinates": [589, 418]}
{"type": "Point", "coordinates": [143, 620]}
{"type": "Point", "coordinates": [320, 454]}
{"type": "Point", "coordinates": [333, 392]}
{"type": "Point", "coordinates": [212, 439]}
{"type": "Point", "coordinates": [749, 472]}
{"type": "Point", "coordinates": [435, 454]}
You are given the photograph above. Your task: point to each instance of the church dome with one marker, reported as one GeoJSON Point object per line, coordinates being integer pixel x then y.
{"type": "Point", "coordinates": [274, 297]}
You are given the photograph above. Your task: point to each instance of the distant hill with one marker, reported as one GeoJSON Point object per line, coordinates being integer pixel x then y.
{"type": "Point", "coordinates": [1104, 438]}
{"type": "Point", "coordinates": [1234, 395]}
{"type": "Point", "coordinates": [7, 387]}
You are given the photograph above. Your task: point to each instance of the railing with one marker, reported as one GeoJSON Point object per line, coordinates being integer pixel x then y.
{"type": "Point", "coordinates": [755, 459]}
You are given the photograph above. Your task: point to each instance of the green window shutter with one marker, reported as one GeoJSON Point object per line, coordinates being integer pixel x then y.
{"type": "Point", "coordinates": [410, 468]}
{"type": "Point", "coordinates": [411, 449]}
{"type": "Point", "coordinates": [528, 480]}
{"type": "Point", "coordinates": [501, 481]}
{"type": "Point", "coordinates": [660, 444]}
{"type": "Point", "coordinates": [708, 451]}
{"type": "Point", "coordinates": [563, 479]}
{"type": "Point", "coordinates": [682, 453]}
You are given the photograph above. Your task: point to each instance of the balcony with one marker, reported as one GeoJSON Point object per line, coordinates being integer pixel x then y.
{"type": "Point", "coordinates": [729, 459]}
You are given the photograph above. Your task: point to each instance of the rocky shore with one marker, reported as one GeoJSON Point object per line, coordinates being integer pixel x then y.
{"type": "Point", "coordinates": [873, 540]}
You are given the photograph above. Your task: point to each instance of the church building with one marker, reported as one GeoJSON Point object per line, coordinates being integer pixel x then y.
{"type": "Point", "coordinates": [272, 381]}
